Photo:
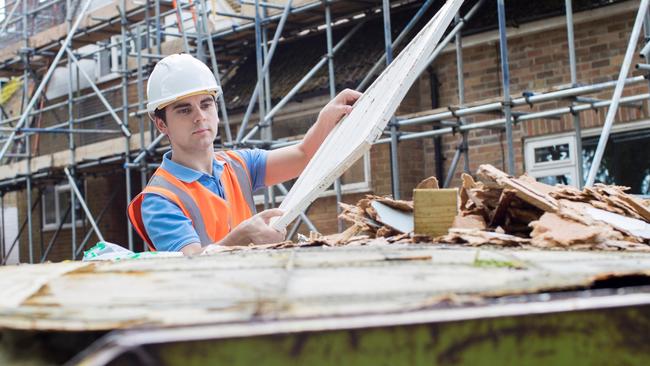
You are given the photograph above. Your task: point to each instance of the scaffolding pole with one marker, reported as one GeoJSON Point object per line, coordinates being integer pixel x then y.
{"type": "Point", "coordinates": [575, 117]}
{"type": "Point", "coordinates": [505, 81]}
{"type": "Point", "coordinates": [82, 202]}
{"type": "Point", "coordinates": [618, 91]}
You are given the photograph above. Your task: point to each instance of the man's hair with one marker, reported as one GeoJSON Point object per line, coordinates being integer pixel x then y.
{"type": "Point", "coordinates": [160, 113]}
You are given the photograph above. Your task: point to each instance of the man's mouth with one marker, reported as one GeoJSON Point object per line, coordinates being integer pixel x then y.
{"type": "Point", "coordinates": [201, 131]}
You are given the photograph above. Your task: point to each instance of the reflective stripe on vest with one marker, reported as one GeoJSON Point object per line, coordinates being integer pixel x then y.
{"type": "Point", "coordinates": [190, 197]}
{"type": "Point", "coordinates": [243, 177]}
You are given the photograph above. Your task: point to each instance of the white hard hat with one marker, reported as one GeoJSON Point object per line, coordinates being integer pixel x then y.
{"type": "Point", "coordinates": [178, 76]}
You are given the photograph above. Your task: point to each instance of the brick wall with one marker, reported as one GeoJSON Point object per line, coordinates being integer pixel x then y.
{"type": "Point", "coordinates": [538, 61]}
{"type": "Point", "coordinates": [100, 197]}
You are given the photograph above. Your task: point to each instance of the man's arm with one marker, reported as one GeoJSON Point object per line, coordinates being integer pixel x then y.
{"type": "Point", "coordinates": [288, 162]}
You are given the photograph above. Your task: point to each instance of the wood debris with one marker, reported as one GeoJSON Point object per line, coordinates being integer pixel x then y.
{"type": "Point", "coordinates": [501, 210]}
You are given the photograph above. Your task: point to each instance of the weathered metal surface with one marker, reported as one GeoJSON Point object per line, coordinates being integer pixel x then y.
{"type": "Point", "coordinates": [257, 286]}
{"type": "Point", "coordinates": [606, 336]}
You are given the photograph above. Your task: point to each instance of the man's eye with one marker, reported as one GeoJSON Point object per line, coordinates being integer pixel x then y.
{"type": "Point", "coordinates": [206, 105]}
{"type": "Point", "coordinates": [184, 110]}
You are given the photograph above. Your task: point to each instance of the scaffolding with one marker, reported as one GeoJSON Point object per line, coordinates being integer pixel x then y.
{"type": "Point", "coordinates": [139, 28]}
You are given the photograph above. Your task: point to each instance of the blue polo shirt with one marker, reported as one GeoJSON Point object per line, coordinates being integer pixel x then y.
{"type": "Point", "coordinates": [168, 228]}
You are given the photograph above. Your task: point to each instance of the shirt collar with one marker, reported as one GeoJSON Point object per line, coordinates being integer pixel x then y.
{"type": "Point", "coordinates": [185, 174]}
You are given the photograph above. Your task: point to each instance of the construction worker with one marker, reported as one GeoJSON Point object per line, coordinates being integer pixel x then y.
{"type": "Point", "coordinates": [200, 199]}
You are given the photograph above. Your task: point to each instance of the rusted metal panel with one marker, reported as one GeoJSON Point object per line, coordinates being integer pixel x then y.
{"type": "Point", "coordinates": [605, 336]}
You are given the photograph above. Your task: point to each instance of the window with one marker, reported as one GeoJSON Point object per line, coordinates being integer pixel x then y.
{"type": "Point", "coordinates": [108, 60]}
{"type": "Point", "coordinates": [55, 203]}
{"type": "Point", "coordinates": [550, 159]}
{"type": "Point", "coordinates": [626, 160]}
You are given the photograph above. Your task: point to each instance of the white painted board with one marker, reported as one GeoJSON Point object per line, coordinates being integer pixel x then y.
{"type": "Point", "coordinates": [396, 219]}
{"type": "Point", "coordinates": [356, 133]}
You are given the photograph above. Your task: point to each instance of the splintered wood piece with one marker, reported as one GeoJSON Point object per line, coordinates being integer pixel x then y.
{"type": "Point", "coordinates": [468, 183]}
{"type": "Point", "coordinates": [429, 183]}
{"type": "Point", "coordinates": [355, 134]}
{"type": "Point", "coordinates": [476, 237]}
{"type": "Point", "coordinates": [469, 222]}
{"type": "Point", "coordinates": [435, 210]}
{"type": "Point", "coordinates": [535, 193]}
{"type": "Point", "coordinates": [499, 215]}
{"type": "Point", "coordinates": [638, 205]}
{"type": "Point", "coordinates": [552, 230]}
{"type": "Point", "coordinates": [401, 205]}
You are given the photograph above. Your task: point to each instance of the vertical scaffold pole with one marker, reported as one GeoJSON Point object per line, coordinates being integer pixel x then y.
{"type": "Point", "coordinates": [71, 142]}
{"type": "Point", "coordinates": [26, 111]}
{"type": "Point", "coordinates": [505, 78]}
{"type": "Point", "coordinates": [461, 92]}
{"type": "Point", "coordinates": [575, 116]}
{"type": "Point", "coordinates": [332, 89]}
{"type": "Point", "coordinates": [394, 158]}
{"type": "Point", "coordinates": [125, 120]}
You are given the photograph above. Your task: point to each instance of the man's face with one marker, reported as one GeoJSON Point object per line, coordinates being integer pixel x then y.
{"type": "Point", "coordinates": [192, 122]}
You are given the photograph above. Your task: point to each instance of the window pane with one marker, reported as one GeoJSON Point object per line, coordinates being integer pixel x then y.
{"type": "Point", "coordinates": [626, 160]}
{"type": "Point", "coordinates": [64, 204]}
{"type": "Point", "coordinates": [49, 209]}
{"type": "Point", "coordinates": [565, 179]}
{"type": "Point", "coordinates": [552, 153]}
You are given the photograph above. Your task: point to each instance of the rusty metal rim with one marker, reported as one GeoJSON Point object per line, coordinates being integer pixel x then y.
{"type": "Point", "coordinates": [116, 343]}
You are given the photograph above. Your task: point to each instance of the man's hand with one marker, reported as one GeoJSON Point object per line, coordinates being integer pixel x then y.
{"type": "Point", "coordinates": [257, 229]}
{"type": "Point", "coordinates": [338, 107]}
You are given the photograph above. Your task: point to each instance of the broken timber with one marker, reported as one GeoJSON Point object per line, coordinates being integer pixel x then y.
{"type": "Point", "coordinates": [355, 134]}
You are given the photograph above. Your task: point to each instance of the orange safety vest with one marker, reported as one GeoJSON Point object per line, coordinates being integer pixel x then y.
{"type": "Point", "coordinates": [211, 215]}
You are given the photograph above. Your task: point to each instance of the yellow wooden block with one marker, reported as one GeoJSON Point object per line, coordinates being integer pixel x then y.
{"type": "Point", "coordinates": [434, 210]}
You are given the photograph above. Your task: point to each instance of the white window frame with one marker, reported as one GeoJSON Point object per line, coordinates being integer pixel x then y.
{"type": "Point", "coordinates": [350, 188]}
{"type": "Point", "coordinates": [58, 189]}
{"type": "Point", "coordinates": [112, 55]}
{"type": "Point", "coordinates": [551, 168]}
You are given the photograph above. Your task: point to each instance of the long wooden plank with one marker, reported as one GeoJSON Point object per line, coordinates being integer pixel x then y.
{"type": "Point", "coordinates": [356, 133]}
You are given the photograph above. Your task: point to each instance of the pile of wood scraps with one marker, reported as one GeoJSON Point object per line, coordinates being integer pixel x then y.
{"type": "Point", "coordinates": [523, 211]}
{"type": "Point", "coordinates": [500, 210]}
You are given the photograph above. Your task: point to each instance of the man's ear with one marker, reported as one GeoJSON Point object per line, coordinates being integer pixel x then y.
{"type": "Point", "coordinates": [160, 125]}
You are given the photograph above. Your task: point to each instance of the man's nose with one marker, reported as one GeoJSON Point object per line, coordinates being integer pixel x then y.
{"type": "Point", "coordinates": [200, 114]}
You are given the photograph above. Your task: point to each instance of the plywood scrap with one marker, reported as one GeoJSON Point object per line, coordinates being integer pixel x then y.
{"type": "Point", "coordinates": [429, 183]}
{"type": "Point", "coordinates": [535, 193]}
{"type": "Point", "coordinates": [552, 230]}
{"type": "Point", "coordinates": [607, 197]}
{"type": "Point", "coordinates": [499, 214]}
{"type": "Point", "coordinates": [475, 237]}
{"type": "Point", "coordinates": [469, 222]}
{"type": "Point", "coordinates": [396, 204]}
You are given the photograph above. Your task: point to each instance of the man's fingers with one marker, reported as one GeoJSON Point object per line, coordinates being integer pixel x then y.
{"type": "Point", "coordinates": [345, 109]}
{"type": "Point", "coordinates": [351, 96]}
{"type": "Point", "coordinates": [270, 213]}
